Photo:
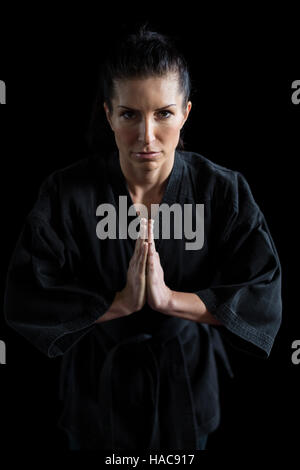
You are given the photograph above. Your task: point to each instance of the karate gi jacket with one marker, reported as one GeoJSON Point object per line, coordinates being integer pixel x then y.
{"type": "Point", "coordinates": [147, 380]}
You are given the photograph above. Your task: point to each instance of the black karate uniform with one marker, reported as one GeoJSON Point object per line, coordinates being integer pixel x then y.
{"type": "Point", "coordinates": [148, 380]}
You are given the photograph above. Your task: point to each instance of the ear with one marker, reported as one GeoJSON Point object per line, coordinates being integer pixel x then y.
{"type": "Point", "coordinates": [186, 113]}
{"type": "Point", "coordinates": [108, 116]}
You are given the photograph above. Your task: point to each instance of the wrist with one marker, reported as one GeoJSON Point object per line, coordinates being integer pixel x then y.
{"type": "Point", "coordinates": [123, 303]}
{"type": "Point", "coordinates": [119, 308]}
{"type": "Point", "coordinates": [168, 305]}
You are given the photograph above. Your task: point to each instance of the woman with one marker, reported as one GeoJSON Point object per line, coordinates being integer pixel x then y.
{"type": "Point", "coordinates": [138, 316]}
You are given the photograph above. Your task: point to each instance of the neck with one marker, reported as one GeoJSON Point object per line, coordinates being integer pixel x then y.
{"type": "Point", "coordinates": [142, 179]}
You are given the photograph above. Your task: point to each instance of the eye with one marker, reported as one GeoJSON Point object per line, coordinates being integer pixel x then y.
{"type": "Point", "coordinates": [128, 114]}
{"type": "Point", "coordinates": [164, 114]}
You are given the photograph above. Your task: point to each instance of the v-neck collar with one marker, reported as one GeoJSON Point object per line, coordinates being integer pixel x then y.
{"type": "Point", "coordinates": [119, 183]}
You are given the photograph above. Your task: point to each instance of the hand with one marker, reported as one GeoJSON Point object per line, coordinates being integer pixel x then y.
{"type": "Point", "coordinates": [158, 294]}
{"type": "Point", "coordinates": [134, 293]}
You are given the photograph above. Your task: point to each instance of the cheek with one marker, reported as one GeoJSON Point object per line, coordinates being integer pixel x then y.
{"type": "Point", "coordinates": [169, 133]}
{"type": "Point", "coordinates": [125, 135]}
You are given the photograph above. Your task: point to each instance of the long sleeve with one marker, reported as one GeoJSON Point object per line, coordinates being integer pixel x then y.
{"type": "Point", "coordinates": [45, 301]}
{"type": "Point", "coordinates": [245, 291]}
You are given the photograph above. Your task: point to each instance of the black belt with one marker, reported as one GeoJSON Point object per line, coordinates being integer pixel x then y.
{"type": "Point", "coordinates": [170, 329]}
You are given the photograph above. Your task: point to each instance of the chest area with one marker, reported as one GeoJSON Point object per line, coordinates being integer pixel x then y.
{"type": "Point", "coordinates": [146, 206]}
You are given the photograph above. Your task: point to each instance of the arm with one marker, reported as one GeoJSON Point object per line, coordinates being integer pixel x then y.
{"type": "Point", "coordinates": [189, 306]}
{"type": "Point", "coordinates": [244, 296]}
{"type": "Point", "coordinates": [133, 296]}
{"type": "Point", "coordinates": [45, 300]}
{"type": "Point", "coordinates": [162, 299]}
{"type": "Point", "coordinates": [117, 309]}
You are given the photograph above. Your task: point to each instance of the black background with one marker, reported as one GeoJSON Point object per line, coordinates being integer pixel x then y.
{"type": "Point", "coordinates": [242, 118]}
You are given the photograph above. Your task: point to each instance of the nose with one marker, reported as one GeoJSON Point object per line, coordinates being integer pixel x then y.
{"type": "Point", "coordinates": [146, 131]}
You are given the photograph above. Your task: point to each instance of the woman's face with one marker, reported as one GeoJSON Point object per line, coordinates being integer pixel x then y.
{"type": "Point", "coordinates": [146, 119]}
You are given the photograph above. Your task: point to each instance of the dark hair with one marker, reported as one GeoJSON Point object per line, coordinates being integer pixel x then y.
{"type": "Point", "coordinates": [141, 54]}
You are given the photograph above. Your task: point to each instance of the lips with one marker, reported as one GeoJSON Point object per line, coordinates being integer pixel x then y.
{"type": "Point", "coordinates": [151, 154]}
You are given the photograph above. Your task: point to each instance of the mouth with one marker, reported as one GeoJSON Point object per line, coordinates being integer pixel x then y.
{"type": "Point", "coordinates": [146, 155]}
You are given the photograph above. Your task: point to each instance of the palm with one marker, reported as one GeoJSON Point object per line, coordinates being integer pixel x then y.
{"type": "Point", "coordinates": [158, 293]}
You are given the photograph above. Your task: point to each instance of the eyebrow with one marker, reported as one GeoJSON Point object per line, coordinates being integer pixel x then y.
{"type": "Point", "coordinates": [159, 109]}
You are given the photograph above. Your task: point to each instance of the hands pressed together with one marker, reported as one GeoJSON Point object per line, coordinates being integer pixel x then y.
{"type": "Point", "coordinates": [145, 283]}
{"type": "Point", "coordinates": [145, 276]}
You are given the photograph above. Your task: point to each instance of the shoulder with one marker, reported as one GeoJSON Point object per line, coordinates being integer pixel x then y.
{"type": "Point", "coordinates": [82, 174]}
{"type": "Point", "coordinates": [217, 182]}
{"type": "Point", "coordinates": [202, 166]}
{"type": "Point", "coordinates": [79, 170]}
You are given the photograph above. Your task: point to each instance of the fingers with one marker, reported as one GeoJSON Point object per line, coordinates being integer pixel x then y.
{"type": "Point", "coordinates": [142, 248]}
{"type": "Point", "coordinates": [143, 229]}
{"type": "Point", "coordinates": [142, 237]}
{"type": "Point", "coordinates": [151, 241]}
{"type": "Point", "coordinates": [143, 245]}
{"type": "Point", "coordinates": [150, 231]}
{"type": "Point", "coordinates": [143, 257]}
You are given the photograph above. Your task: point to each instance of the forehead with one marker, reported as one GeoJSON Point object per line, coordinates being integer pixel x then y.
{"type": "Point", "coordinates": [156, 91]}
